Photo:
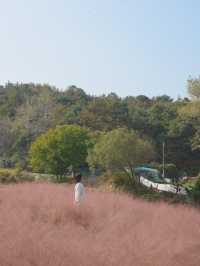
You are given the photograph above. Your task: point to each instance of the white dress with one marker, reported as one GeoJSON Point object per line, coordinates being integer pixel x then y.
{"type": "Point", "coordinates": [79, 192]}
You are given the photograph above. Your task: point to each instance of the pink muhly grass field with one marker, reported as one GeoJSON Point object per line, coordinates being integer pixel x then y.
{"type": "Point", "coordinates": [40, 226]}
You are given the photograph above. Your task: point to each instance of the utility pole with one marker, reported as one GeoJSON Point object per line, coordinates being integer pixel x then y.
{"type": "Point", "coordinates": [163, 155]}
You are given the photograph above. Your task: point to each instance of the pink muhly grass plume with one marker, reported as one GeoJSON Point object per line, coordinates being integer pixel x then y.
{"type": "Point", "coordinates": [40, 225]}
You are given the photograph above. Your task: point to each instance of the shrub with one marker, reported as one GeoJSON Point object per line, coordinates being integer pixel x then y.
{"type": "Point", "coordinates": [8, 175]}
{"type": "Point", "coordinates": [14, 175]}
{"type": "Point", "coordinates": [123, 182]}
{"type": "Point", "coordinates": [171, 170]}
{"type": "Point", "coordinates": [195, 192]}
{"type": "Point", "coordinates": [189, 184]}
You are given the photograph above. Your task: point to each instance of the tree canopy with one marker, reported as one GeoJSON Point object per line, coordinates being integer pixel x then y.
{"type": "Point", "coordinates": [121, 149]}
{"type": "Point", "coordinates": [59, 149]}
{"type": "Point", "coordinates": [28, 110]}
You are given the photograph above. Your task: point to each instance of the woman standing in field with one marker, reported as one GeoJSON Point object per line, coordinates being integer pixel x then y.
{"type": "Point", "coordinates": [79, 190]}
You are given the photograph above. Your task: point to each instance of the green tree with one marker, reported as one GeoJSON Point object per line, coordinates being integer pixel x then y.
{"type": "Point", "coordinates": [34, 117]}
{"type": "Point", "coordinates": [12, 96]}
{"type": "Point", "coordinates": [7, 138]}
{"type": "Point", "coordinates": [59, 149]}
{"type": "Point", "coordinates": [74, 100]}
{"type": "Point", "coordinates": [182, 140]}
{"type": "Point", "coordinates": [190, 114]}
{"type": "Point", "coordinates": [105, 113]}
{"type": "Point", "coordinates": [120, 150]}
{"type": "Point", "coordinates": [195, 193]}
{"type": "Point", "coordinates": [160, 116]}
{"type": "Point", "coordinates": [72, 96]}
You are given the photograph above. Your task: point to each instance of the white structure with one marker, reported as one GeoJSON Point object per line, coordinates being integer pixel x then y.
{"type": "Point", "coordinates": [162, 187]}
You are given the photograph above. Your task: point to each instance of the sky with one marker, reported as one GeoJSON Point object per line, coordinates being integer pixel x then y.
{"type": "Point", "coordinates": [130, 47]}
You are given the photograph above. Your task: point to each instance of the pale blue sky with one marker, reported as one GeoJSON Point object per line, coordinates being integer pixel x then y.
{"type": "Point", "coordinates": [129, 47]}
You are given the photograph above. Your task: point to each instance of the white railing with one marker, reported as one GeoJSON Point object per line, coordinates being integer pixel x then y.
{"type": "Point", "coordinates": [162, 187]}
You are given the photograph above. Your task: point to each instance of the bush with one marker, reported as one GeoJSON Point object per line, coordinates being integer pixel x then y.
{"type": "Point", "coordinates": [195, 192]}
{"type": "Point", "coordinates": [123, 182]}
{"type": "Point", "coordinates": [14, 176]}
{"type": "Point", "coordinates": [8, 175]}
{"type": "Point", "coordinates": [171, 170]}
{"type": "Point", "coordinates": [189, 184]}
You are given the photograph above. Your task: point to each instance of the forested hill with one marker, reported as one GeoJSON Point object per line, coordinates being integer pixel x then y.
{"type": "Point", "coordinates": [27, 110]}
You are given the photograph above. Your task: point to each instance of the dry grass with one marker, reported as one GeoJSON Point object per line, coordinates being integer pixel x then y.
{"type": "Point", "coordinates": [40, 226]}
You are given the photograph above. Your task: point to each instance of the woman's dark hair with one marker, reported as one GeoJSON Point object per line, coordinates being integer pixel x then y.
{"type": "Point", "coordinates": [78, 178]}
